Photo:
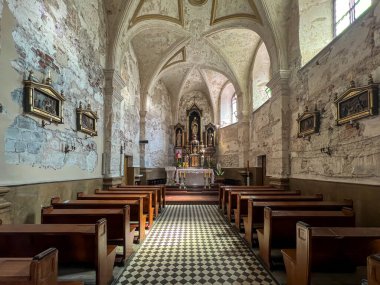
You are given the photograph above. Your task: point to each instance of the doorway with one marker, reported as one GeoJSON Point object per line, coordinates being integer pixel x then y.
{"type": "Point", "coordinates": [128, 162]}
{"type": "Point", "coordinates": [262, 163]}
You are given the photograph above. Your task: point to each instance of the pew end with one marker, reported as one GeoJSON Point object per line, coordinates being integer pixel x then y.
{"type": "Point", "coordinates": [373, 269]}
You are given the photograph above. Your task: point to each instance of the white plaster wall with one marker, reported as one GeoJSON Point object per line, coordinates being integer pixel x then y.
{"type": "Point", "coordinates": [158, 120]}
{"type": "Point", "coordinates": [69, 39]}
{"type": "Point", "coordinates": [130, 106]}
{"type": "Point", "coordinates": [355, 152]}
{"type": "Point", "coordinates": [260, 77]}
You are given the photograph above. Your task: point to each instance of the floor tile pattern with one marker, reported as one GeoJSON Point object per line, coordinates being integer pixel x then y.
{"type": "Point", "coordinates": [193, 244]}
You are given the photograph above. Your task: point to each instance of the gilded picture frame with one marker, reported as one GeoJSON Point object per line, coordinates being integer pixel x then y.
{"type": "Point", "coordinates": [308, 123]}
{"type": "Point", "coordinates": [43, 101]}
{"type": "Point", "coordinates": [357, 103]}
{"type": "Point", "coordinates": [87, 120]}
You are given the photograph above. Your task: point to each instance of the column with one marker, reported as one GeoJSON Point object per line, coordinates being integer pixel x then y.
{"type": "Point", "coordinates": [5, 207]}
{"type": "Point", "coordinates": [111, 157]}
{"type": "Point", "coordinates": [278, 163]}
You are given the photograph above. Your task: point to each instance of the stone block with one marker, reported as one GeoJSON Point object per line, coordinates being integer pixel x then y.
{"type": "Point", "coordinates": [13, 133]}
{"type": "Point", "coordinates": [27, 136]}
{"type": "Point", "coordinates": [10, 145]}
{"type": "Point", "coordinates": [20, 146]}
{"type": "Point", "coordinates": [34, 147]}
{"type": "Point", "coordinates": [12, 158]}
{"type": "Point", "coordinates": [26, 123]}
{"type": "Point", "coordinates": [28, 158]}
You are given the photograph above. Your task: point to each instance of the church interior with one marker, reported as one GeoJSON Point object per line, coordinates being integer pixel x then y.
{"type": "Point", "coordinates": [190, 142]}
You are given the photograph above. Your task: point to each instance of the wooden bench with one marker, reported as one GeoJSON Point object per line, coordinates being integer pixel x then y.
{"type": "Point", "coordinates": [221, 189]}
{"type": "Point", "coordinates": [280, 227]}
{"type": "Point", "coordinates": [160, 188]}
{"type": "Point", "coordinates": [42, 269]}
{"type": "Point", "coordinates": [152, 193]}
{"type": "Point", "coordinates": [373, 269]}
{"type": "Point", "coordinates": [334, 249]}
{"type": "Point", "coordinates": [255, 217]}
{"type": "Point", "coordinates": [234, 198]}
{"type": "Point", "coordinates": [78, 245]}
{"type": "Point", "coordinates": [147, 201]}
{"type": "Point", "coordinates": [242, 203]}
{"type": "Point", "coordinates": [137, 218]}
{"type": "Point", "coordinates": [226, 189]}
{"type": "Point", "coordinates": [119, 230]}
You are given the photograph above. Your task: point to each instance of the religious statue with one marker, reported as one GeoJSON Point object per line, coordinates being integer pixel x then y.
{"type": "Point", "coordinates": [179, 138]}
{"type": "Point", "coordinates": [210, 138]}
{"type": "Point", "coordinates": [194, 128]}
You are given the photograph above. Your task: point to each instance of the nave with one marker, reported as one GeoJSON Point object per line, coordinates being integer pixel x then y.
{"type": "Point", "coordinates": [193, 244]}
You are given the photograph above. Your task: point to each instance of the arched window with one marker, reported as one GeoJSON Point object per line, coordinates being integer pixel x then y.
{"type": "Point", "coordinates": [347, 11]}
{"type": "Point", "coordinates": [228, 105]}
{"type": "Point", "coordinates": [260, 77]}
{"type": "Point", "coordinates": [234, 109]}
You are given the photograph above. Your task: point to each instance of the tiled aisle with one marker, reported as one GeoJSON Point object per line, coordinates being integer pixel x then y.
{"type": "Point", "coordinates": [193, 244]}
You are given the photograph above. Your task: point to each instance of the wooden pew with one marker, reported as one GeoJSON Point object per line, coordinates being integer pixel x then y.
{"type": "Point", "coordinates": [232, 203]}
{"type": "Point", "coordinates": [328, 248]}
{"type": "Point", "coordinates": [373, 269]}
{"type": "Point", "coordinates": [137, 218]}
{"type": "Point", "coordinates": [221, 189]}
{"type": "Point", "coordinates": [161, 189]}
{"type": "Point", "coordinates": [42, 269]}
{"type": "Point", "coordinates": [78, 245]}
{"type": "Point", "coordinates": [255, 216]}
{"type": "Point", "coordinates": [119, 230]}
{"type": "Point", "coordinates": [226, 190]}
{"type": "Point", "coordinates": [147, 201]}
{"type": "Point", "coordinates": [152, 193]}
{"type": "Point", "coordinates": [242, 203]}
{"type": "Point", "coordinates": [280, 227]}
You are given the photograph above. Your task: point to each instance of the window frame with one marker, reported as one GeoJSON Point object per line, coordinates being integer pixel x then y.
{"type": "Point", "coordinates": [234, 112]}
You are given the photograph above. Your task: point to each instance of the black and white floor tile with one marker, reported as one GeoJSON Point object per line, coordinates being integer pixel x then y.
{"type": "Point", "coordinates": [193, 244]}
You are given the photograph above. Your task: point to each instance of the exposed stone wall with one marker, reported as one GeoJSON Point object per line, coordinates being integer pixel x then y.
{"type": "Point", "coordinates": [130, 114]}
{"type": "Point", "coordinates": [355, 152]}
{"type": "Point", "coordinates": [68, 39]}
{"type": "Point", "coordinates": [157, 128]}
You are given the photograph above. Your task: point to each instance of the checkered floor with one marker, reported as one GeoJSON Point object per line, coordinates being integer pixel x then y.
{"type": "Point", "coordinates": [193, 244]}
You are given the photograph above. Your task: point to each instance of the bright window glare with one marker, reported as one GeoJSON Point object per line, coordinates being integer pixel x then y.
{"type": "Point", "coordinates": [346, 13]}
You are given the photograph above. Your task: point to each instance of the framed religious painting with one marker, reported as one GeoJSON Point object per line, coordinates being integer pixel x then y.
{"type": "Point", "coordinates": [86, 120]}
{"type": "Point", "coordinates": [357, 102]}
{"type": "Point", "coordinates": [308, 123]}
{"type": "Point", "coordinates": [43, 100]}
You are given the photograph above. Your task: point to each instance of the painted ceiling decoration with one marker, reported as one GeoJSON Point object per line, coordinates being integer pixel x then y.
{"type": "Point", "coordinates": [166, 10]}
{"type": "Point", "coordinates": [223, 10]}
{"type": "Point", "coordinates": [197, 2]}
{"type": "Point", "coordinates": [178, 57]}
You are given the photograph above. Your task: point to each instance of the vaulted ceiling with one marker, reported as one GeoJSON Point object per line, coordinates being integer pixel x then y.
{"type": "Point", "coordinates": [193, 45]}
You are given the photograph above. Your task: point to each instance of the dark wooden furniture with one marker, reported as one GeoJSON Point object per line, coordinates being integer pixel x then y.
{"type": "Point", "coordinates": [161, 190]}
{"type": "Point", "coordinates": [82, 245]}
{"type": "Point", "coordinates": [242, 203]}
{"type": "Point", "coordinates": [328, 248]}
{"type": "Point", "coordinates": [42, 269]}
{"type": "Point", "coordinates": [224, 192]}
{"type": "Point", "coordinates": [119, 230]}
{"type": "Point", "coordinates": [255, 216]}
{"type": "Point", "coordinates": [152, 193]}
{"type": "Point", "coordinates": [373, 269]}
{"type": "Point", "coordinates": [280, 227]}
{"type": "Point", "coordinates": [233, 197]}
{"type": "Point", "coordinates": [147, 201]}
{"type": "Point", "coordinates": [137, 218]}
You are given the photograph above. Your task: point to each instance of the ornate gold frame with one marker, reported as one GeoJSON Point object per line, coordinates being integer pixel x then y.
{"type": "Point", "coordinates": [357, 103]}
{"type": "Point", "coordinates": [308, 123]}
{"type": "Point", "coordinates": [86, 120]}
{"type": "Point", "coordinates": [43, 100]}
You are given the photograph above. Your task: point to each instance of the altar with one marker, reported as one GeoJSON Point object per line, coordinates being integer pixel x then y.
{"type": "Point", "coordinates": [194, 176]}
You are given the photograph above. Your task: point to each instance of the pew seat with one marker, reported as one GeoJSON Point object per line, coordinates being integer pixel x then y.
{"type": "Point", "coordinates": [331, 249]}
{"type": "Point", "coordinates": [279, 229]}
{"type": "Point", "coordinates": [79, 245]}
